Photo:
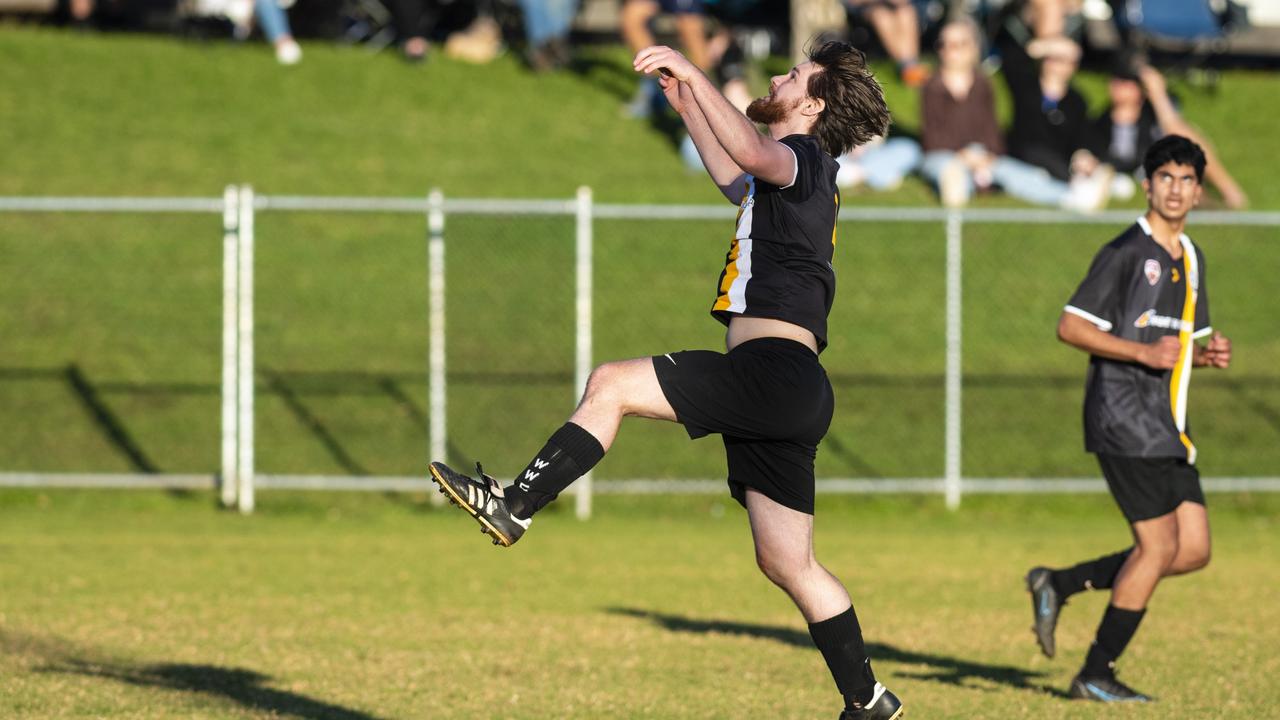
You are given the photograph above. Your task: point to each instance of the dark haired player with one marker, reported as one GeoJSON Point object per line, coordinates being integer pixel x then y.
{"type": "Point", "coordinates": [1138, 314]}
{"type": "Point", "coordinates": [767, 396]}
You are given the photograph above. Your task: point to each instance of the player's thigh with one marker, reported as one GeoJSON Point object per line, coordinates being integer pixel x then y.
{"type": "Point", "coordinates": [634, 384]}
{"type": "Point", "coordinates": [1157, 538]}
{"type": "Point", "coordinates": [782, 535]}
{"type": "Point", "coordinates": [1193, 529]}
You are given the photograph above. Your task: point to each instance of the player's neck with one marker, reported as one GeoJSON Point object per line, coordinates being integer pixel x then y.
{"type": "Point", "coordinates": [1166, 232]}
{"type": "Point", "coordinates": [790, 126]}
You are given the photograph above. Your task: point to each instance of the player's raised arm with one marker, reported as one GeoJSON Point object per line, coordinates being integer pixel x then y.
{"type": "Point", "coordinates": [749, 149]}
{"type": "Point", "coordinates": [723, 170]}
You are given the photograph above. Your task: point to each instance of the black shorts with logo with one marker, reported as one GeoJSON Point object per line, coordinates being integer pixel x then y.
{"type": "Point", "coordinates": [771, 402]}
{"type": "Point", "coordinates": [1148, 487]}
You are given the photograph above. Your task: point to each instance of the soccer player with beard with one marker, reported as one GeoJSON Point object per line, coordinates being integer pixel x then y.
{"type": "Point", "coordinates": [767, 396]}
{"type": "Point", "coordinates": [1138, 313]}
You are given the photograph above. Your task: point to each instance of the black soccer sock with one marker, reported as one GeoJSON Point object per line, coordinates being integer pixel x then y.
{"type": "Point", "coordinates": [1097, 574]}
{"type": "Point", "coordinates": [839, 639]}
{"type": "Point", "coordinates": [567, 456]}
{"type": "Point", "coordinates": [1114, 633]}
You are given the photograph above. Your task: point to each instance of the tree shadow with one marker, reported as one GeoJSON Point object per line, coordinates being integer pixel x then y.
{"type": "Point", "coordinates": [247, 688]}
{"type": "Point", "coordinates": [941, 668]}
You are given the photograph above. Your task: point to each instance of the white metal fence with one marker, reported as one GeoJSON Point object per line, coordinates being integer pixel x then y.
{"type": "Point", "coordinates": [239, 205]}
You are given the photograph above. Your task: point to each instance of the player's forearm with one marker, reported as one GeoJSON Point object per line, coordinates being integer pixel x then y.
{"type": "Point", "coordinates": [722, 169]}
{"type": "Point", "coordinates": [734, 132]}
{"type": "Point", "coordinates": [1084, 335]}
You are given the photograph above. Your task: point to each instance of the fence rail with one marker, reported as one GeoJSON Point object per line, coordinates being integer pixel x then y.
{"type": "Point", "coordinates": [239, 204]}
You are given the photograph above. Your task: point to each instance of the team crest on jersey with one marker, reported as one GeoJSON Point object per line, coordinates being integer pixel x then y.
{"type": "Point", "coordinates": [1152, 270]}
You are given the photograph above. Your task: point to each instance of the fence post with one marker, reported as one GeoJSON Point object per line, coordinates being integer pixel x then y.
{"type": "Point", "coordinates": [436, 382]}
{"type": "Point", "coordinates": [582, 354]}
{"type": "Point", "coordinates": [955, 357]}
{"type": "Point", "coordinates": [245, 499]}
{"type": "Point", "coordinates": [230, 273]}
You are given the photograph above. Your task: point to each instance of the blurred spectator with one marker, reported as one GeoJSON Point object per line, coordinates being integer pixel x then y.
{"type": "Point", "coordinates": [690, 28]}
{"type": "Point", "coordinates": [881, 164]}
{"type": "Point", "coordinates": [275, 26]}
{"type": "Point", "coordinates": [414, 21]}
{"type": "Point", "coordinates": [479, 42]}
{"type": "Point", "coordinates": [897, 25]}
{"type": "Point", "coordinates": [1140, 112]}
{"type": "Point", "coordinates": [1050, 123]}
{"type": "Point", "coordinates": [546, 32]}
{"type": "Point", "coordinates": [270, 16]}
{"type": "Point", "coordinates": [80, 11]}
{"type": "Point", "coordinates": [1027, 20]}
{"type": "Point", "coordinates": [963, 149]}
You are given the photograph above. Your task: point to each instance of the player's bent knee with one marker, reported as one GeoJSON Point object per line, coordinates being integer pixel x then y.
{"type": "Point", "coordinates": [1200, 559]}
{"type": "Point", "coordinates": [603, 382]}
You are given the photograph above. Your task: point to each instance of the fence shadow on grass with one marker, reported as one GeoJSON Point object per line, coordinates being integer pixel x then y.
{"type": "Point", "coordinates": [247, 688]}
{"type": "Point", "coordinates": [941, 668]}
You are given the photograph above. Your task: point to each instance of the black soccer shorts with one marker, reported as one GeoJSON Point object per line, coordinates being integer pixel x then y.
{"type": "Point", "coordinates": [771, 402]}
{"type": "Point", "coordinates": [1148, 487]}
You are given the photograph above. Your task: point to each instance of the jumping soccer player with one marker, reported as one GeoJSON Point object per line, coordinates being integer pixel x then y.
{"type": "Point", "coordinates": [767, 396]}
{"type": "Point", "coordinates": [1137, 313]}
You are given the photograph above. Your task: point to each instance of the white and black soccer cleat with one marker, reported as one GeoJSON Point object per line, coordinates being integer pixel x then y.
{"type": "Point", "coordinates": [1045, 604]}
{"type": "Point", "coordinates": [483, 500]}
{"type": "Point", "coordinates": [1104, 689]}
{"type": "Point", "coordinates": [883, 705]}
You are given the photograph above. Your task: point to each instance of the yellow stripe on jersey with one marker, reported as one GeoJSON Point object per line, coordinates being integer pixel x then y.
{"type": "Point", "coordinates": [835, 224]}
{"type": "Point", "coordinates": [1182, 369]}
{"type": "Point", "coordinates": [730, 274]}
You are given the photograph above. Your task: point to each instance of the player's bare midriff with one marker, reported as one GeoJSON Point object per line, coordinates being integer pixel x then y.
{"type": "Point", "coordinates": [742, 329]}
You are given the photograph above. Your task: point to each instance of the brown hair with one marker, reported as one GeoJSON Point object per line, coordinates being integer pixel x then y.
{"type": "Point", "coordinates": [855, 110]}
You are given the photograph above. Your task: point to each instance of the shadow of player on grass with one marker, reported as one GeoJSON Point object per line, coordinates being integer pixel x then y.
{"type": "Point", "coordinates": [943, 669]}
{"type": "Point", "coordinates": [247, 688]}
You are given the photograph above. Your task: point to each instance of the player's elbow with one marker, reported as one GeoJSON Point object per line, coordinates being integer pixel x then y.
{"type": "Point", "coordinates": [1065, 328]}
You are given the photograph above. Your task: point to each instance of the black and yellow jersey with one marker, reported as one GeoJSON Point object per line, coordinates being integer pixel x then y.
{"type": "Point", "coordinates": [779, 262]}
{"type": "Point", "coordinates": [1135, 290]}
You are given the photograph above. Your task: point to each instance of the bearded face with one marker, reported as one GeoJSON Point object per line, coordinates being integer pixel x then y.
{"type": "Point", "coordinates": [769, 110]}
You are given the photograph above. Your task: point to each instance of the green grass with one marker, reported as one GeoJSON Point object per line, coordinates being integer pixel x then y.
{"type": "Point", "coordinates": [152, 605]}
{"type": "Point", "coordinates": [111, 339]}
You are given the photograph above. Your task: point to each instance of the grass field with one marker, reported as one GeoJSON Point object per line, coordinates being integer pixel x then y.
{"type": "Point", "coordinates": [360, 607]}
{"type": "Point", "coordinates": [151, 605]}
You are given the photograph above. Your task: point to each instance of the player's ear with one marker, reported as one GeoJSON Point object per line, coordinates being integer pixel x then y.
{"type": "Point", "coordinates": [812, 106]}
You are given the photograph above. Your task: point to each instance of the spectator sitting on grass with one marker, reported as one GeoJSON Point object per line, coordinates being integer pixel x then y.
{"type": "Point", "coordinates": [897, 26]}
{"type": "Point", "coordinates": [1140, 112]}
{"type": "Point", "coordinates": [1050, 121]}
{"type": "Point", "coordinates": [546, 32]}
{"type": "Point", "coordinates": [963, 147]}
{"type": "Point", "coordinates": [691, 28]}
{"type": "Point", "coordinates": [413, 20]}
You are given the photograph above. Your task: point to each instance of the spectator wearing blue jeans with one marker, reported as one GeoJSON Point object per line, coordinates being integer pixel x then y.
{"type": "Point", "coordinates": [275, 26]}
{"type": "Point", "coordinates": [546, 30]}
{"type": "Point", "coordinates": [963, 148]}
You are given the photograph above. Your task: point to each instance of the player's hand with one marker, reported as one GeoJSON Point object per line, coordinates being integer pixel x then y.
{"type": "Point", "coordinates": [677, 93]}
{"type": "Point", "coordinates": [1218, 352]}
{"type": "Point", "coordinates": [664, 61]}
{"type": "Point", "coordinates": [1161, 354]}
